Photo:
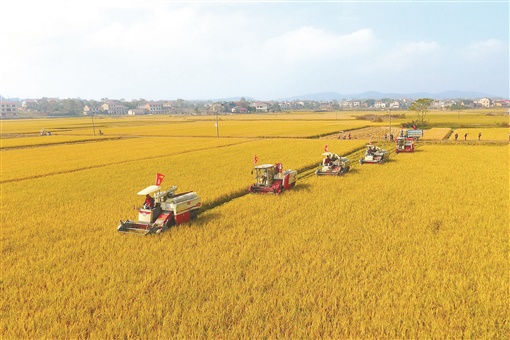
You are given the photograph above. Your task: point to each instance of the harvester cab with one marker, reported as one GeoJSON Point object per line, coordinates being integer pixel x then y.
{"type": "Point", "coordinates": [404, 144]}
{"type": "Point", "coordinates": [332, 164]}
{"type": "Point", "coordinates": [168, 209]}
{"type": "Point", "coordinates": [270, 178]}
{"type": "Point", "coordinates": [374, 155]}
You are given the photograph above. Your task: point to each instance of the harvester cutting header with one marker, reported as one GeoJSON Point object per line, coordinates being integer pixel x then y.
{"type": "Point", "coordinates": [163, 211]}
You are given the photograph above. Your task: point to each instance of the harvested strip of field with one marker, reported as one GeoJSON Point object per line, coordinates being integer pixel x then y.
{"type": "Point", "coordinates": [436, 134]}
{"type": "Point", "coordinates": [366, 133]}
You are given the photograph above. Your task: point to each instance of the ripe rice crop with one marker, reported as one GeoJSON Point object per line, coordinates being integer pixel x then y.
{"type": "Point", "coordinates": [54, 159]}
{"type": "Point", "coordinates": [31, 141]}
{"type": "Point", "coordinates": [414, 248]}
{"type": "Point", "coordinates": [229, 128]}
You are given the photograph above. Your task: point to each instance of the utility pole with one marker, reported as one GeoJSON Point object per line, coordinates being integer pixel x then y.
{"type": "Point", "coordinates": [93, 128]}
{"type": "Point", "coordinates": [217, 126]}
{"type": "Point", "coordinates": [389, 135]}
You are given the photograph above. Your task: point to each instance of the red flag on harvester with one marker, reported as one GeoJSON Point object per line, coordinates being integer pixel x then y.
{"type": "Point", "coordinates": [255, 159]}
{"type": "Point", "coordinates": [159, 178]}
{"type": "Point", "coordinates": [326, 148]}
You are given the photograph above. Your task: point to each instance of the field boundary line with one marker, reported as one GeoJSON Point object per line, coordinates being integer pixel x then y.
{"type": "Point", "coordinates": [98, 166]}
{"type": "Point", "coordinates": [84, 141]}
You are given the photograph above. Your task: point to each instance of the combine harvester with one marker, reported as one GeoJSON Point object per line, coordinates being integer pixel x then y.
{"type": "Point", "coordinates": [271, 179]}
{"type": "Point", "coordinates": [333, 165]}
{"type": "Point", "coordinates": [374, 155]}
{"type": "Point", "coordinates": [403, 144]}
{"type": "Point", "coordinates": [163, 211]}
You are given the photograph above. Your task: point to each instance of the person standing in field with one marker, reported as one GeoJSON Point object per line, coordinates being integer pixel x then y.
{"type": "Point", "coordinates": [479, 136]}
{"type": "Point", "coordinates": [456, 136]}
{"type": "Point", "coordinates": [465, 136]}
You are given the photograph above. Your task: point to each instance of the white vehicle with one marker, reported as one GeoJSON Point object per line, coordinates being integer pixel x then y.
{"type": "Point", "coordinates": [332, 164]}
{"type": "Point", "coordinates": [167, 209]}
{"type": "Point", "coordinates": [374, 155]}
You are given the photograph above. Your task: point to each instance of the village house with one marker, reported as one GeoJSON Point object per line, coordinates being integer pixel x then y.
{"type": "Point", "coordinates": [91, 110]}
{"type": "Point", "coordinates": [112, 107]}
{"type": "Point", "coordinates": [9, 109]}
{"type": "Point", "coordinates": [260, 107]}
{"type": "Point", "coordinates": [216, 107]}
{"type": "Point", "coordinates": [380, 105]}
{"type": "Point", "coordinates": [394, 105]}
{"type": "Point", "coordinates": [137, 111]}
{"type": "Point", "coordinates": [484, 102]}
{"type": "Point", "coordinates": [239, 109]}
{"type": "Point", "coordinates": [153, 107]}
{"type": "Point", "coordinates": [29, 104]}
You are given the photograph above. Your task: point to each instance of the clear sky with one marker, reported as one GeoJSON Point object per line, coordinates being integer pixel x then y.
{"type": "Point", "coordinates": [264, 50]}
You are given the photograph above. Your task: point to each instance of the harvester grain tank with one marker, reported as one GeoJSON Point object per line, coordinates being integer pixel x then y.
{"type": "Point", "coordinates": [414, 133]}
{"type": "Point", "coordinates": [333, 165]}
{"type": "Point", "coordinates": [374, 155]}
{"type": "Point", "coordinates": [167, 210]}
{"type": "Point", "coordinates": [270, 178]}
{"type": "Point", "coordinates": [403, 144]}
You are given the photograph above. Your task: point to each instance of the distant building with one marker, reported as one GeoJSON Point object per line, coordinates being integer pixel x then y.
{"type": "Point", "coordinates": [9, 109]}
{"type": "Point", "coordinates": [261, 107]}
{"type": "Point", "coordinates": [154, 107]}
{"type": "Point", "coordinates": [114, 108]}
{"type": "Point", "coordinates": [484, 102]}
{"type": "Point", "coordinates": [239, 109]}
{"type": "Point", "coordinates": [394, 105]}
{"type": "Point", "coordinates": [138, 111]}
{"type": "Point", "coordinates": [30, 104]}
{"type": "Point", "coordinates": [91, 110]}
{"type": "Point", "coordinates": [380, 105]}
{"type": "Point", "coordinates": [217, 107]}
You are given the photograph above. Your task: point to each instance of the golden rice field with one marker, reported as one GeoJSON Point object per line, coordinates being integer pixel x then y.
{"type": "Point", "coordinates": [34, 141]}
{"type": "Point", "coordinates": [414, 248]}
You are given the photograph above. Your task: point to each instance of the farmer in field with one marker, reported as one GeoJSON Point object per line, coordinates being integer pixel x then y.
{"type": "Point", "coordinates": [479, 136]}
{"type": "Point", "coordinates": [465, 136]}
{"type": "Point", "coordinates": [149, 202]}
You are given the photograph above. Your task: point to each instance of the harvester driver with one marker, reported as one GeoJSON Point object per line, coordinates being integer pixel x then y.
{"type": "Point", "coordinates": [149, 202]}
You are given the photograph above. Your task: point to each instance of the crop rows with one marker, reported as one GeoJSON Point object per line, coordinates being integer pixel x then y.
{"type": "Point", "coordinates": [414, 248]}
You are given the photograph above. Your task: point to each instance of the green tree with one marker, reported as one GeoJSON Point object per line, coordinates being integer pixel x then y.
{"type": "Point", "coordinates": [421, 107]}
